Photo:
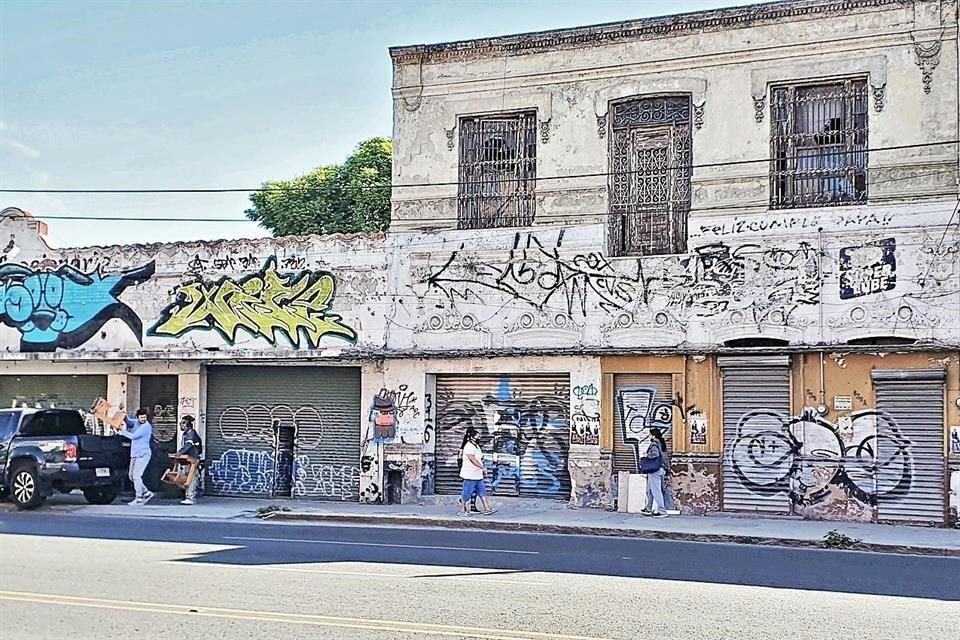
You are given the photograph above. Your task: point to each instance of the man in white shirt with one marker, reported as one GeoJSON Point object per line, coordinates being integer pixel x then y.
{"type": "Point", "coordinates": [472, 471]}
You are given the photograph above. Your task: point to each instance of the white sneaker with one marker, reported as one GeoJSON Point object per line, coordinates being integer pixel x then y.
{"type": "Point", "coordinates": [135, 502]}
{"type": "Point", "coordinates": [148, 496]}
{"type": "Point", "coordinates": [187, 501]}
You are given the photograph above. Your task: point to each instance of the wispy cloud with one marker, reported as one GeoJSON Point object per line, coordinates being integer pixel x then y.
{"type": "Point", "coordinates": [26, 150]}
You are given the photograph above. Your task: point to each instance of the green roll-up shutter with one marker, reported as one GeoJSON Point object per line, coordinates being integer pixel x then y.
{"type": "Point", "coordinates": [282, 431]}
{"type": "Point", "coordinates": [64, 392]}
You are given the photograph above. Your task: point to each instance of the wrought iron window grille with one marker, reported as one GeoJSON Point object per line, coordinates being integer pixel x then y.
{"type": "Point", "coordinates": [498, 171]}
{"type": "Point", "coordinates": [650, 169]}
{"type": "Point", "coordinates": [818, 144]}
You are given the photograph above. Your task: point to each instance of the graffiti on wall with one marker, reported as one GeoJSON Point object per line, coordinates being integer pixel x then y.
{"type": "Point", "coordinates": [768, 283]}
{"type": "Point", "coordinates": [331, 481]}
{"type": "Point", "coordinates": [244, 472]}
{"type": "Point", "coordinates": [66, 307]}
{"type": "Point", "coordinates": [261, 424]}
{"type": "Point", "coordinates": [868, 269]}
{"type": "Point", "coordinates": [640, 411]}
{"type": "Point", "coordinates": [526, 438]}
{"type": "Point", "coordinates": [265, 304]}
{"type": "Point", "coordinates": [698, 427]}
{"type": "Point", "coordinates": [585, 417]}
{"type": "Point", "coordinates": [404, 399]}
{"type": "Point", "coordinates": [803, 457]}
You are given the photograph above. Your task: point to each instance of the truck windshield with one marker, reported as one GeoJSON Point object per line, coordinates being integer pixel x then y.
{"type": "Point", "coordinates": [8, 422]}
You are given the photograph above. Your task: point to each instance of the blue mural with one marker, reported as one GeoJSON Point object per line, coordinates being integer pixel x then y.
{"type": "Point", "coordinates": [65, 308]}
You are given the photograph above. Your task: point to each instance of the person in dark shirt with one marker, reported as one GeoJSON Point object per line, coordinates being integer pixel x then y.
{"type": "Point", "coordinates": [191, 446]}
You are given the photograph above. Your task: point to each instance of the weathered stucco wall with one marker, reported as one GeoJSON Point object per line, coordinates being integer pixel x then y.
{"type": "Point", "coordinates": [542, 288]}
{"type": "Point", "coordinates": [725, 60]}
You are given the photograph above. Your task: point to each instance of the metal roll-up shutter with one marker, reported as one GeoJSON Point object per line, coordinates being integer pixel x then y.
{"type": "Point", "coordinates": [159, 395]}
{"type": "Point", "coordinates": [641, 401]}
{"type": "Point", "coordinates": [524, 426]}
{"type": "Point", "coordinates": [281, 431]}
{"type": "Point", "coordinates": [64, 392]}
{"type": "Point", "coordinates": [909, 447]}
{"type": "Point", "coordinates": [756, 464]}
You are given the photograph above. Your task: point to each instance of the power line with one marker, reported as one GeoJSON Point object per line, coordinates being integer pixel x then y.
{"type": "Point", "coordinates": [369, 187]}
{"type": "Point", "coordinates": [542, 216]}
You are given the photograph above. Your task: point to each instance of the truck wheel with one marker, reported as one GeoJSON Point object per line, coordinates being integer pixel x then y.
{"type": "Point", "coordinates": [25, 491]}
{"type": "Point", "coordinates": [100, 495]}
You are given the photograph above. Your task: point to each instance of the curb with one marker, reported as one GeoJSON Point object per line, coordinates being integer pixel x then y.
{"type": "Point", "coordinates": [648, 534]}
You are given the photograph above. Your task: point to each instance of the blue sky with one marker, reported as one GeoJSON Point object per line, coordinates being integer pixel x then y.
{"type": "Point", "coordinates": [147, 94]}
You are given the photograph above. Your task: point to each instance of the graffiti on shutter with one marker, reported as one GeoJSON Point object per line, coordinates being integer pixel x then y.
{"type": "Point", "coordinates": [524, 426]}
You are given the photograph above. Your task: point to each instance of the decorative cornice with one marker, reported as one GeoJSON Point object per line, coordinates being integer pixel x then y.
{"type": "Point", "coordinates": [602, 126]}
{"type": "Point", "coordinates": [645, 29]}
{"type": "Point", "coordinates": [927, 57]}
{"type": "Point", "coordinates": [759, 106]}
{"type": "Point", "coordinates": [879, 96]}
{"type": "Point", "coordinates": [545, 130]}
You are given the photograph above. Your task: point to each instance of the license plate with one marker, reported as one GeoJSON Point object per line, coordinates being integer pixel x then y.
{"type": "Point", "coordinates": [103, 472]}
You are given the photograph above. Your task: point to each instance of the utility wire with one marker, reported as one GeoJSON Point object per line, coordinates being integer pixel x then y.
{"type": "Point", "coordinates": [541, 216]}
{"type": "Point", "coordinates": [367, 187]}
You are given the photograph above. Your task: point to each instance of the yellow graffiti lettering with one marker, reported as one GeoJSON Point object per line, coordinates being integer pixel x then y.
{"type": "Point", "coordinates": [265, 304]}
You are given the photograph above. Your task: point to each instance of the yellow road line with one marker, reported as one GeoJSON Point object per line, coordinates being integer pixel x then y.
{"type": "Point", "coordinates": [284, 617]}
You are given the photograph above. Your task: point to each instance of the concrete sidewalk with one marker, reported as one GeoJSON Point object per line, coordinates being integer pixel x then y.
{"type": "Point", "coordinates": [541, 516]}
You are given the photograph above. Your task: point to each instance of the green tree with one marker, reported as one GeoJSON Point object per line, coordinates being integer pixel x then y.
{"type": "Point", "coordinates": [353, 197]}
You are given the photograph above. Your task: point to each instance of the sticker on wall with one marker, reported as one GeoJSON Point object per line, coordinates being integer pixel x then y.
{"type": "Point", "coordinates": [383, 415]}
{"type": "Point", "coordinates": [698, 427]}
{"type": "Point", "coordinates": [842, 403]}
{"type": "Point", "coordinates": [868, 269]}
{"type": "Point", "coordinates": [845, 427]}
{"type": "Point", "coordinates": [955, 440]}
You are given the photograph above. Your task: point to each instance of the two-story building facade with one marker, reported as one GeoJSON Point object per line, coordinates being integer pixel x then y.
{"type": "Point", "coordinates": [739, 226]}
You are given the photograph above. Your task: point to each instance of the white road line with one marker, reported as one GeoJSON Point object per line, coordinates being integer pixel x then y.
{"type": "Point", "coordinates": [364, 574]}
{"type": "Point", "coordinates": [381, 544]}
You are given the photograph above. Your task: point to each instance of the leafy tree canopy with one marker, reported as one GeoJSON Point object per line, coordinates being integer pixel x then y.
{"type": "Point", "coordinates": [353, 197]}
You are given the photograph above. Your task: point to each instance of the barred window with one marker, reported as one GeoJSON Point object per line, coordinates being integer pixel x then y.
{"type": "Point", "coordinates": [498, 170]}
{"type": "Point", "coordinates": [650, 167]}
{"type": "Point", "coordinates": [819, 145]}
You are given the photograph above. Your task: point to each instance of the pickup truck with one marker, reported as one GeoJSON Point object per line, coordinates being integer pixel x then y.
{"type": "Point", "coordinates": [47, 450]}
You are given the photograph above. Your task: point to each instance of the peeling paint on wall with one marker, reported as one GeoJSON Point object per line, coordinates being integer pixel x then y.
{"type": "Point", "coordinates": [696, 484]}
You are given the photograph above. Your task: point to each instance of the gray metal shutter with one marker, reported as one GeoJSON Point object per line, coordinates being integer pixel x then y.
{"type": "Point", "coordinates": [524, 425]}
{"type": "Point", "coordinates": [909, 459]}
{"type": "Point", "coordinates": [756, 404]}
{"type": "Point", "coordinates": [638, 396]}
{"type": "Point", "coordinates": [277, 431]}
{"type": "Point", "coordinates": [65, 392]}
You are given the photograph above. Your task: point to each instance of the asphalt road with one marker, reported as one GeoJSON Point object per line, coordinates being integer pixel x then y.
{"type": "Point", "coordinates": [65, 576]}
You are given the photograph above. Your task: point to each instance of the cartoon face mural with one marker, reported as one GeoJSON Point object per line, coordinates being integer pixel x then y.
{"type": "Point", "coordinates": [264, 304]}
{"type": "Point", "coordinates": [65, 308]}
